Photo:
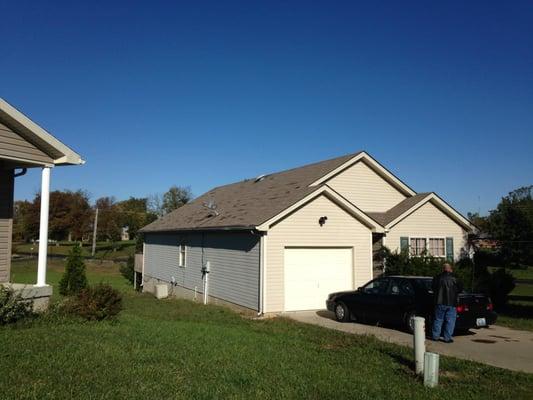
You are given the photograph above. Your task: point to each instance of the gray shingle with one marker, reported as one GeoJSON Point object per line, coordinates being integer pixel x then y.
{"type": "Point", "coordinates": [247, 204]}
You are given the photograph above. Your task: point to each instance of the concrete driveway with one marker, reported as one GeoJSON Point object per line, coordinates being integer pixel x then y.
{"type": "Point", "coordinates": [498, 346]}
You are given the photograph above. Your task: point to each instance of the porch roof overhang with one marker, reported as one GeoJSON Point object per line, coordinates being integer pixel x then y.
{"type": "Point", "coordinates": [60, 153]}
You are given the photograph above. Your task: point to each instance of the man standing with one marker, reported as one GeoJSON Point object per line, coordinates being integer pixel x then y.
{"type": "Point", "coordinates": [446, 289]}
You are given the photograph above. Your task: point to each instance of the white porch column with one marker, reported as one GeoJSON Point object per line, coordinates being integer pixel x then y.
{"type": "Point", "coordinates": [43, 227]}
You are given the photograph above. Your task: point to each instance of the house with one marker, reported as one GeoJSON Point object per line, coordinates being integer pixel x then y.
{"type": "Point", "coordinates": [23, 145]}
{"type": "Point", "coordinates": [125, 233]}
{"type": "Point", "coordinates": [284, 241]}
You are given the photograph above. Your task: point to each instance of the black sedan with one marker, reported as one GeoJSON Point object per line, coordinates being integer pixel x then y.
{"type": "Point", "coordinates": [395, 300]}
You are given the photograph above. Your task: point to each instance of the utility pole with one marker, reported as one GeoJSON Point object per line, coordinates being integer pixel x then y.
{"type": "Point", "coordinates": [95, 228]}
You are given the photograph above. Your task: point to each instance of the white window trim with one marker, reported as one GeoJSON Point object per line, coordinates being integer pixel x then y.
{"type": "Point", "coordinates": [427, 243]}
{"type": "Point", "coordinates": [182, 263]}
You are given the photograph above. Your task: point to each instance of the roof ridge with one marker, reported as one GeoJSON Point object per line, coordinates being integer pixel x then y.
{"type": "Point", "coordinates": [266, 175]}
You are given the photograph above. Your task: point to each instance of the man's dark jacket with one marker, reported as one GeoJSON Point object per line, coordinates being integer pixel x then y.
{"type": "Point", "coordinates": [446, 289]}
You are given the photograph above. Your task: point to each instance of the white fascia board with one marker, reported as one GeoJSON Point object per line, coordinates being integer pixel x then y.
{"type": "Point", "coordinates": [69, 155]}
{"type": "Point", "coordinates": [439, 203]}
{"type": "Point", "coordinates": [374, 164]}
{"type": "Point", "coordinates": [336, 198]}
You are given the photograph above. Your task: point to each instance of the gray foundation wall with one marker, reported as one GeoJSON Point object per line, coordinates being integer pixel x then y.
{"type": "Point", "coordinates": [234, 259]}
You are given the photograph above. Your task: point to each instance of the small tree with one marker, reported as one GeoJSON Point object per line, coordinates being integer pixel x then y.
{"type": "Point", "coordinates": [74, 279]}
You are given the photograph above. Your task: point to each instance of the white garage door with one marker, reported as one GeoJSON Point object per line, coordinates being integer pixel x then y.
{"type": "Point", "coordinates": [313, 273]}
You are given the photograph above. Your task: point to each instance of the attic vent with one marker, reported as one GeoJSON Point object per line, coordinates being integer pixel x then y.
{"type": "Point", "coordinates": [260, 178]}
{"type": "Point", "coordinates": [212, 207]}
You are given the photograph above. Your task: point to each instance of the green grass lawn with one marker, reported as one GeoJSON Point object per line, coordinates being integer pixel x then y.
{"type": "Point", "coordinates": [523, 289]}
{"type": "Point", "coordinates": [176, 349]}
{"type": "Point", "coordinates": [518, 314]}
{"type": "Point", "coordinates": [526, 273]}
{"type": "Point", "coordinates": [104, 250]}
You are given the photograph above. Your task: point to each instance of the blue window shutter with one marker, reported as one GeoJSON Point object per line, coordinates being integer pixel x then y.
{"type": "Point", "coordinates": [404, 243]}
{"type": "Point", "coordinates": [449, 249]}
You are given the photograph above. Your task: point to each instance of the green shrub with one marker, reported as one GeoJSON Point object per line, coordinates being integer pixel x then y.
{"type": "Point", "coordinates": [95, 303]}
{"type": "Point", "coordinates": [500, 285]}
{"type": "Point", "coordinates": [489, 258]}
{"type": "Point", "coordinates": [474, 276]}
{"type": "Point", "coordinates": [403, 264]}
{"type": "Point", "coordinates": [74, 278]}
{"type": "Point", "coordinates": [128, 270]}
{"type": "Point", "coordinates": [13, 307]}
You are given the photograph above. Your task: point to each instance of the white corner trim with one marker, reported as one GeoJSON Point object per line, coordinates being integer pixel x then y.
{"type": "Point", "coordinates": [332, 195]}
{"type": "Point", "coordinates": [396, 182]}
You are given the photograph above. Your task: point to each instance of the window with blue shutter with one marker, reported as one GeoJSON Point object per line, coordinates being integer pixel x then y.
{"type": "Point", "coordinates": [404, 244]}
{"type": "Point", "coordinates": [449, 249]}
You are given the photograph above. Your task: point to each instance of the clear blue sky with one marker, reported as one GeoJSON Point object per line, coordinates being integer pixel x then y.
{"type": "Point", "coordinates": [206, 93]}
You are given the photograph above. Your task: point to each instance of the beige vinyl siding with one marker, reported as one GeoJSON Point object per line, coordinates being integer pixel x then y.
{"type": "Point", "coordinates": [6, 222]}
{"type": "Point", "coordinates": [365, 188]}
{"type": "Point", "coordinates": [6, 228]}
{"type": "Point", "coordinates": [426, 222]}
{"type": "Point", "coordinates": [13, 145]}
{"type": "Point", "coordinates": [301, 229]}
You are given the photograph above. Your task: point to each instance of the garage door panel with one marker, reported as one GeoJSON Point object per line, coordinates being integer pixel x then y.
{"type": "Point", "coordinates": [312, 273]}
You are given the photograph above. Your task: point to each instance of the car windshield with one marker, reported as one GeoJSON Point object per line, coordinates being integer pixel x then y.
{"type": "Point", "coordinates": [426, 284]}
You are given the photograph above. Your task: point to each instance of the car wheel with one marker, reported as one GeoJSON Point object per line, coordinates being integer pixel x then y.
{"type": "Point", "coordinates": [342, 314]}
{"type": "Point", "coordinates": [409, 321]}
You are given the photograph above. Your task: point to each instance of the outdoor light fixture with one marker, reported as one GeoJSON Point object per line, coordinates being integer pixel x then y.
{"type": "Point", "coordinates": [322, 220]}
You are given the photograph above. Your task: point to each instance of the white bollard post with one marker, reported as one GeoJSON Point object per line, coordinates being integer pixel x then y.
{"type": "Point", "coordinates": [431, 369]}
{"type": "Point", "coordinates": [419, 344]}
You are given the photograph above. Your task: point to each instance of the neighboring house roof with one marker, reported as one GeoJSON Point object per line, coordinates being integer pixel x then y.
{"type": "Point", "coordinates": [249, 203]}
{"type": "Point", "coordinates": [60, 153]}
{"type": "Point", "coordinates": [405, 208]}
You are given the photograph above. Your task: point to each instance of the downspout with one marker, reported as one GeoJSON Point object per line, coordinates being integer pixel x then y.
{"type": "Point", "coordinates": [261, 273]}
{"type": "Point", "coordinates": [142, 268]}
{"type": "Point", "coordinates": [262, 269]}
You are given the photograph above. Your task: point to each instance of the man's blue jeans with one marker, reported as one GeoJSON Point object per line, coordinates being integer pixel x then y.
{"type": "Point", "coordinates": [444, 315]}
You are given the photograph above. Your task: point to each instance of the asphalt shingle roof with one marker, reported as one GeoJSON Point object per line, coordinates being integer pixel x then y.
{"type": "Point", "coordinates": [388, 216]}
{"type": "Point", "coordinates": [249, 203]}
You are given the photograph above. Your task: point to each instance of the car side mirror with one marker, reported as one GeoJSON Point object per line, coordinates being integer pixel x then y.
{"type": "Point", "coordinates": [360, 289]}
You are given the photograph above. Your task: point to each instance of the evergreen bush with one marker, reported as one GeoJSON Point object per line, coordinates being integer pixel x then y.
{"type": "Point", "coordinates": [74, 279]}
{"type": "Point", "coordinates": [13, 307]}
{"type": "Point", "coordinates": [95, 303]}
{"type": "Point", "coordinates": [128, 269]}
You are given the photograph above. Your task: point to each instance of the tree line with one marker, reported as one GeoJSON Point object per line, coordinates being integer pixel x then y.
{"type": "Point", "coordinates": [510, 224]}
{"type": "Point", "coordinates": [72, 216]}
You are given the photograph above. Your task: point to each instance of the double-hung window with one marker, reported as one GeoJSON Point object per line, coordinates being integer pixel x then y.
{"type": "Point", "coordinates": [437, 247]}
{"type": "Point", "coordinates": [417, 246]}
{"type": "Point", "coordinates": [182, 255]}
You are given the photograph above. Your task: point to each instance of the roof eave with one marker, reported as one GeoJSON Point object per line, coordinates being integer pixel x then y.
{"type": "Point", "coordinates": [200, 229]}
{"type": "Point", "coordinates": [69, 156]}
{"type": "Point", "coordinates": [445, 207]}
{"type": "Point", "coordinates": [363, 155]}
